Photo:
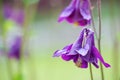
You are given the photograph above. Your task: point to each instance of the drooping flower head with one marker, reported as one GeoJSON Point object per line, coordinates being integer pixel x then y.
{"type": "Point", "coordinates": [78, 12]}
{"type": "Point", "coordinates": [82, 51]}
{"type": "Point", "coordinates": [15, 48]}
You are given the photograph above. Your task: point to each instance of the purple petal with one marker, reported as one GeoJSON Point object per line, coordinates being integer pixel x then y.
{"type": "Point", "coordinates": [83, 51]}
{"type": "Point", "coordinates": [77, 12]}
{"type": "Point", "coordinates": [65, 50]}
{"type": "Point", "coordinates": [67, 57]}
{"type": "Point", "coordinates": [68, 47]}
{"type": "Point", "coordinates": [57, 53]}
{"type": "Point", "coordinates": [85, 9]}
{"type": "Point", "coordinates": [80, 62]}
{"type": "Point", "coordinates": [75, 58]}
{"type": "Point", "coordinates": [76, 17]}
{"type": "Point", "coordinates": [95, 64]}
{"type": "Point", "coordinates": [96, 52]}
{"type": "Point", "coordinates": [84, 64]}
{"type": "Point", "coordinates": [83, 22]}
{"type": "Point", "coordinates": [77, 44]}
{"type": "Point", "coordinates": [67, 11]}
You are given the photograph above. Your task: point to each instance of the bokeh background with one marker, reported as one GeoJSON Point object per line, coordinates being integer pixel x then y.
{"type": "Point", "coordinates": [35, 21]}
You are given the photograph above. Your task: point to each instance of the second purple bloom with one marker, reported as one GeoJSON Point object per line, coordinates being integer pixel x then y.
{"type": "Point", "coordinates": [78, 12]}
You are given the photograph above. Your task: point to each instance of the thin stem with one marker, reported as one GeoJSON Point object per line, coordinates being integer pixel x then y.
{"type": "Point", "coordinates": [93, 25]}
{"type": "Point", "coordinates": [99, 17]}
{"type": "Point", "coordinates": [25, 25]}
{"type": "Point", "coordinates": [32, 67]}
{"type": "Point", "coordinates": [101, 67]}
{"type": "Point", "coordinates": [91, 74]}
{"type": "Point", "coordinates": [92, 19]}
{"type": "Point", "coordinates": [99, 39]}
{"type": "Point", "coordinates": [28, 18]}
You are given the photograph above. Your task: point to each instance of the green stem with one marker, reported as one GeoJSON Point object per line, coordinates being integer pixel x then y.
{"type": "Point", "coordinates": [93, 26]}
{"type": "Point", "coordinates": [101, 67]}
{"type": "Point", "coordinates": [32, 61]}
{"type": "Point", "coordinates": [91, 74]}
{"type": "Point", "coordinates": [28, 19]}
{"type": "Point", "coordinates": [25, 25]}
{"type": "Point", "coordinates": [99, 18]}
{"type": "Point", "coordinates": [99, 39]}
{"type": "Point", "coordinates": [92, 19]}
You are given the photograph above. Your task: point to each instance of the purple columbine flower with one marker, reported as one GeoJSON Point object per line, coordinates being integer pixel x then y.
{"type": "Point", "coordinates": [14, 51]}
{"type": "Point", "coordinates": [82, 51]}
{"type": "Point", "coordinates": [78, 12]}
{"type": "Point", "coordinates": [16, 15]}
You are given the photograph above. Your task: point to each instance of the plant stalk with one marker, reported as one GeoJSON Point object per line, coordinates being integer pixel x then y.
{"type": "Point", "coordinates": [99, 39]}
{"type": "Point", "coordinates": [91, 74]}
{"type": "Point", "coordinates": [92, 19]}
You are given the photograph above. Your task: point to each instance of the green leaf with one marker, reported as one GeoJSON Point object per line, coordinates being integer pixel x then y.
{"type": "Point", "coordinates": [29, 2]}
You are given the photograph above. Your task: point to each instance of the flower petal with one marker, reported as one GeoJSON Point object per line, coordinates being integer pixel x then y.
{"type": "Point", "coordinates": [77, 44]}
{"type": "Point", "coordinates": [67, 11]}
{"type": "Point", "coordinates": [95, 64]}
{"type": "Point", "coordinates": [84, 64]}
{"type": "Point", "coordinates": [83, 51]}
{"type": "Point", "coordinates": [83, 22]}
{"type": "Point", "coordinates": [85, 9]}
{"type": "Point", "coordinates": [80, 62]}
{"type": "Point", "coordinates": [67, 57]}
{"type": "Point", "coordinates": [96, 52]}
{"type": "Point", "coordinates": [65, 50]}
{"type": "Point", "coordinates": [58, 53]}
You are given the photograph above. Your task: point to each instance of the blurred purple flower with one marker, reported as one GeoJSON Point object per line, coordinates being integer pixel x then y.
{"type": "Point", "coordinates": [78, 12]}
{"type": "Point", "coordinates": [82, 51]}
{"type": "Point", "coordinates": [16, 15]}
{"type": "Point", "coordinates": [14, 51]}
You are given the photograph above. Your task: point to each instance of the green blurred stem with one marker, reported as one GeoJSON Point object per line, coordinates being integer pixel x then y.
{"type": "Point", "coordinates": [99, 39]}
{"type": "Point", "coordinates": [25, 26]}
{"type": "Point", "coordinates": [93, 26]}
{"type": "Point", "coordinates": [91, 74]}
{"type": "Point", "coordinates": [101, 67]}
{"type": "Point", "coordinates": [32, 67]}
{"type": "Point", "coordinates": [91, 13]}
{"type": "Point", "coordinates": [28, 18]}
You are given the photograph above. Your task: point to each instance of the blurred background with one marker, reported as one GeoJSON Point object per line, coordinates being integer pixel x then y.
{"type": "Point", "coordinates": [30, 34]}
